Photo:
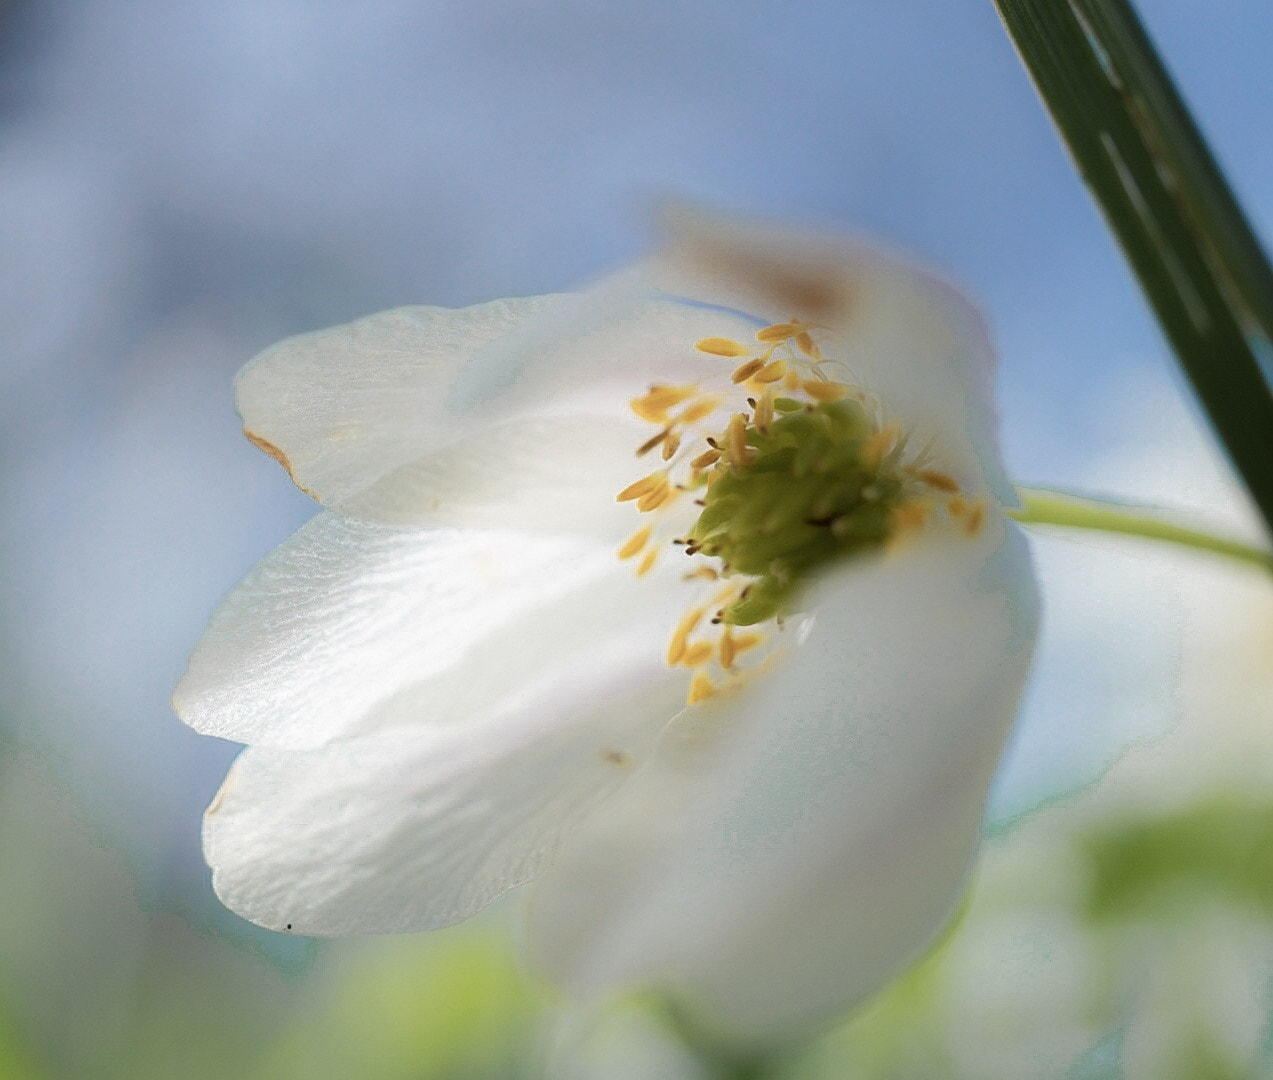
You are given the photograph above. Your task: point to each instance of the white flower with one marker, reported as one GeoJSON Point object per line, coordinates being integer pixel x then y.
{"type": "Point", "coordinates": [450, 685]}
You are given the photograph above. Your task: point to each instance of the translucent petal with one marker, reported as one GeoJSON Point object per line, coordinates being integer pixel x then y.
{"type": "Point", "coordinates": [909, 338]}
{"type": "Point", "coordinates": [538, 474]}
{"type": "Point", "coordinates": [514, 412]}
{"type": "Point", "coordinates": [343, 406]}
{"type": "Point", "coordinates": [345, 614]}
{"type": "Point", "coordinates": [414, 827]}
{"type": "Point", "coordinates": [792, 847]}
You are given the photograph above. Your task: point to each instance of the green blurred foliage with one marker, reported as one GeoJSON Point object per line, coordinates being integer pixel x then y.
{"type": "Point", "coordinates": [1223, 847]}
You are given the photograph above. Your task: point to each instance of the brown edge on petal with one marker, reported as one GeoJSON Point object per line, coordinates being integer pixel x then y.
{"type": "Point", "coordinates": [278, 455]}
{"type": "Point", "coordinates": [219, 797]}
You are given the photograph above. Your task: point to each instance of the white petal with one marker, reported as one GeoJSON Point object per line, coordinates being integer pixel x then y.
{"type": "Point", "coordinates": [910, 339]}
{"type": "Point", "coordinates": [514, 412]}
{"type": "Point", "coordinates": [539, 474]}
{"type": "Point", "coordinates": [792, 847]}
{"type": "Point", "coordinates": [345, 614]}
{"type": "Point", "coordinates": [418, 826]}
{"type": "Point", "coordinates": [343, 406]}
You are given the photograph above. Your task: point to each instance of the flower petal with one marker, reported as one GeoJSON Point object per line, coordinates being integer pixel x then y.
{"type": "Point", "coordinates": [791, 848]}
{"type": "Point", "coordinates": [341, 407]}
{"type": "Point", "coordinates": [909, 338]}
{"type": "Point", "coordinates": [514, 412]}
{"type": "Point", "coordinates": [345, 614]}
{"type": "Point", "coordinates": [415, 827]}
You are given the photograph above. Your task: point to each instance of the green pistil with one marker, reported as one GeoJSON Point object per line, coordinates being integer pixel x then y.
{"type": "Point", "coordinates": [811, 494]}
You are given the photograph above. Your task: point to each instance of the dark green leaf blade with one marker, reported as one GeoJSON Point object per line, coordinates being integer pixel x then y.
{"type": "Point", "coordinates": [1166, 201]}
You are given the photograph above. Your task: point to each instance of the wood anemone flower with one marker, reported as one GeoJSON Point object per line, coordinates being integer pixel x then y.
{"type": "Point", "coordinates": [689, 597]}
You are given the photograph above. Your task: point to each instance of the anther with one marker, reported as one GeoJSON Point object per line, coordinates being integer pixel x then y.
{"type": "Point", "coordinates": [635, 543]}
{"type": "Point", "coordinates": [727, 649]}
{"type": "Point", "coordinates": [737, 438]}
{"type": "Point", "coordinates": [771, 372]}
{"type": "Point", "coordinates": [806, 344]}
{"type": "Point", "coordinates": [878, 445]}
{"type": "Point", "coordinates": [654, 405]}
{"type": "Point", "coordinates": [703, 572]}
{"type": "Point", "coordinates": [698, 653]}
{"type": "Point", "coordinates": [706, 458]}
{"type": "Point", "coordinates": [745, 371]}
{"type": "Point", "coordinates": [670, 445]}
{"type": "Point", "coordinates": [763, 410]}
{"type": "Point", "coordinates": [976, 515]}
{"type": "Point", "coordinates": [822, 390]}
{"type": "Point", "coordinates": [940, 480]}
{"type": "Point", "coordinates": [778, 332]}
{"type": "Point", "coordinates": [680, 636]}
{"type": "Point", "coordinates": [652, 500]}
{"type": "Point", "coordinates": [651, 443]}
{"type": "Point", "coordinates": [910, 516]}
{"type": "Point", "coordinates": [703, 407]}
{"type": "Point", "coordinates": [641, 487]}
{"type": "Point", "coordinates": [720, 346]}
{"type": "Point", "coordinates": [701, 688]}
{"type": "Point", "coordinates": [647, 564]}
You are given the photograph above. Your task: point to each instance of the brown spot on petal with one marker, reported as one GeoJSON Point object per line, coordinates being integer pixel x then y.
{"type": "Point", "coordinates": [816, 292]}
{"type": "Point", "coordinates": [278, 455]}
{"type": "Point", "coordinates": [621, 759]}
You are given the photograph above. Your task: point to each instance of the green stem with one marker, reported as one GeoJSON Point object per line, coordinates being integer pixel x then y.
{"type": "Point", "coordinates": [1040, 506]}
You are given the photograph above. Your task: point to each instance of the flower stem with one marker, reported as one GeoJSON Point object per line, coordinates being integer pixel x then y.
{"type": "Point", "coordinates": [1040, 506]}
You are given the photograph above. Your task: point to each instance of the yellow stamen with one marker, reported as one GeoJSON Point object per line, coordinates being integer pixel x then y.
{"type": "Point", "coordinates": [720, 346]}
{"type": "Point", "coordinates": [940, 480]}
{"type": "Point", "coordinates": [706, 458]}
{"type": "Point", "coordinates": [641, 487]}
{"type": "Point", "coordinates": [821, 390]}
{"type": "Point", "coordinates": [745, 371]}
{"type": "Point", "coordinates": [808, 346]}
{"type": "Point", "coordinates": [771, 372]}
{"type": "Point", "coordinates": [702, 572]}
{"type": "Point", "coordinates": [680, 636]}
{"type": "Point", "coordinates": [878, 445]}
{"type": "Point", "coordinates": [670, 445]}
{"type": "Point", "coordinates": [778, 332]}
{"type": "Point", "coordinates": [652, 500]}
{"type": "Point", "coordinates": [651, 443]}
{"type": "Point", "coordinates": [635, 543]}
{"type": "Point", "coordinates": [654, 405]}
{"type": "Point", "coordinates": [792, 379]}
{"type": "Point", "coordinates": [763, 412]}
{"type": "Point", "coordinates": [701, 688]}
{"type": "Point", "coordinates": [956, 506]}
{"type": "Point", "coordinates": [910, 516]}
{"type": "Point", "coordinates": [704, 406]}
{"type": "Point", "coordinates": [647, 564]}
{"type": "Point", "coordinates": [976, 515]}
{"type": "Point", "coordinates": [737, 437]}
{"type": "Point", "coordinates": [698, 653]}
{"type": "Point", "coordinates": [727, 649]}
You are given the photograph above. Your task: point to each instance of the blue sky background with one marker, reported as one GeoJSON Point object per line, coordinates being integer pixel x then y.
{"type": "Point", "coordinates": [183, 184]}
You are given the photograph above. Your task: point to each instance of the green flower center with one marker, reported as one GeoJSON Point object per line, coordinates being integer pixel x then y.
{"type": "Point", "coordinates": [817, 484]}
{"type": "Point", "coordinates": [809, 474]}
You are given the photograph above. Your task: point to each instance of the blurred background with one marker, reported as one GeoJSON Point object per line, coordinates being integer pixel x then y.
{"type": "Point", "coordinates": [184, 184]}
